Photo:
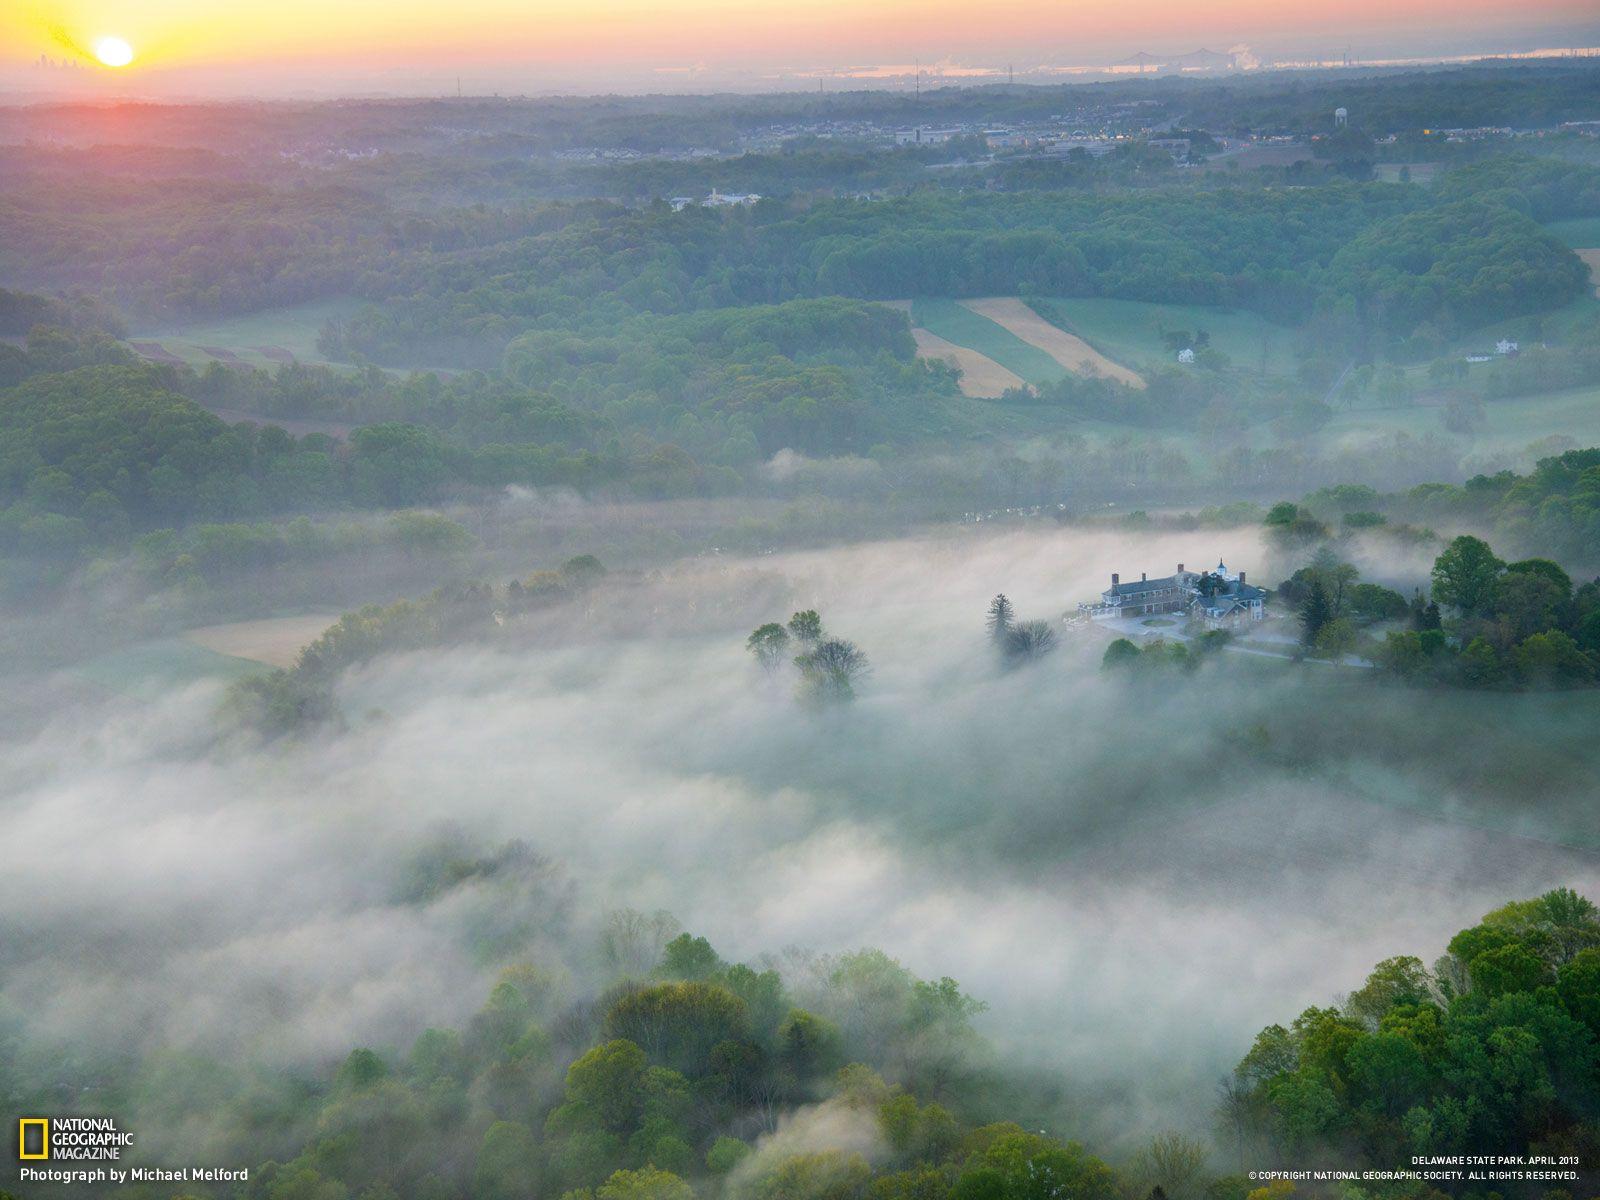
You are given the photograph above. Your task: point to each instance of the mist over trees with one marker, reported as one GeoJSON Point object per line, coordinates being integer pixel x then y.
{"type": "Point", "coordinates": [1017, 642]}
{"type": "Point", "coordinates": [400, 503]}
{"type": "Point", "coordinates": [1495, 1044]}
{"type": "Point", "coordinates": [828, 668]}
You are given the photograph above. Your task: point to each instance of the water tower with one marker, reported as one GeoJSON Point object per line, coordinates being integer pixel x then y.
{"type": "Point", "coordinates": [1341, 117]}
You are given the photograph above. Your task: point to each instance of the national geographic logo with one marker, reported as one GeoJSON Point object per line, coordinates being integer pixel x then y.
{"type": "Point", "coordinates": [73, 1139]}
{"type": "Point", "coordinates": [85, 1150]}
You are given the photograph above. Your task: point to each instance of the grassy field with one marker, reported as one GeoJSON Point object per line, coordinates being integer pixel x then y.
{"type": "Point", "coordinates": [1130, 331]}
{"type": "Point", "coordinates": [148, 669]}
{"type": "Point", "coordinates": [1579, 234]}
{"type": "Point", "coordinates": [1421, 172]}
{"type": "Point", "coordinates": [1553, 326]}
{"type": "Point", "coordinates": [275, 641]}
{"type": "Point", "coordinates": [260, 339]}
{"type": "Point", "coordinates": [955, 323]}
{"type": "Point", "coordinates": [1512, 424]}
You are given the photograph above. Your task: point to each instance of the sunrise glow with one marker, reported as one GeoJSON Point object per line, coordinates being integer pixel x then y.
{"type": "Point", "coordinates": [113, 52]}
{"type": "Point", "coordinates": [288, 43]}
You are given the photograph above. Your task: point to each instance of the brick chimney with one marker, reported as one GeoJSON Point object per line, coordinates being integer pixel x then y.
{"type": "Point", "coordinates": [1114, 579]}
{"type": "Point", "coordinates": [1180, 568]}
{"type": "Point", "coordinates": [1241, 578]}
{"type": "Point", "coordinates": [1143, 578]}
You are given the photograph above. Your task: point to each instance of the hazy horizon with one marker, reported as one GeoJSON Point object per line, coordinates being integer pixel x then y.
{"type": "Point", "coordinates": [604, 602]}
{"type": "Point", "coordinates": [179, 50]}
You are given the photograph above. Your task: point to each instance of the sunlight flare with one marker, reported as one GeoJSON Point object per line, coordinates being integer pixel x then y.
{"type": "Point", "coordinates": [113, 52]}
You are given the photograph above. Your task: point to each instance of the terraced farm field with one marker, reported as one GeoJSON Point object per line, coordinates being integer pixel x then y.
{"type": "Point", "coordinates": [981, 376]}
{"type": "Point", "coordinates": [1068, 349]}
{"type": "Point", "coordinates": [1132, 332]}
{"type": "Point", "coordinates": [1000, 343]}
{"type": "Point", "coordinates": [1006, 337]}
{"type": "Point", "coordinates": [955, 322]}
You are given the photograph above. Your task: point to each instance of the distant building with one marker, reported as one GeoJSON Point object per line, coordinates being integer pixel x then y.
{"type": "Point", "coordinates": [729, 200]}
{"type": "Point", "coordinates": [1506, 346]}
{"type": "Point", "coordinates": [922, 136]}
{"type": "Point", "coordinates": [1186, 355]}
{"type": "Point", "coordinates": [1217, 598]}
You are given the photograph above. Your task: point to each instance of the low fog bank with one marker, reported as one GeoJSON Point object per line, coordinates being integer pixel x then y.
{"type": "Point", "coordinates": [1135, 875]}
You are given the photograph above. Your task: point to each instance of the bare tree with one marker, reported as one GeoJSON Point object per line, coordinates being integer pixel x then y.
{"type": "Point", "coordinates": [1029, 642]}
{"type": "Point", "coordinates": [632, 941]}
{"type": "Point", "coordinates": [1238, 1112]}
{"type": "Point", "coordinates": [830, 671]}
{"type": "Point", "coordinates": [1171, 1164]}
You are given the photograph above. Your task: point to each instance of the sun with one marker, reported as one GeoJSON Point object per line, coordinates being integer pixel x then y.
{"type": "Point", "coordinates": [113, 52]}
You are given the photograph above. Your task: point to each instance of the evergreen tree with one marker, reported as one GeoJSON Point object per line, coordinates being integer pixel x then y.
{"type": "Point", "coordinates": [1419, 611]}
{"type": "Point", "coordinates": [1001, 617]}
{"type": "Point", "coordinates": [1315, 613]}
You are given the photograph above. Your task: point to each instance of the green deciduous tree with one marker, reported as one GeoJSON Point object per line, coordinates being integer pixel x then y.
{"type": "Point", "coordinates": [1554, 660]}
{"type": "Point", "coordinates": [806, 627]}
{"type": "Point", "coordinates": [830, 670]}
{"type": "Point", "coordinates": [607, 1082]}
{"type": "Point", "coordinates": [678, 1024]}
{"type": "Point", "coordinates": [770, 644]}
{"type": "Point", "coordinates": [1119, 653]}
{"type": "Point", "coordinates": [1464, 575]}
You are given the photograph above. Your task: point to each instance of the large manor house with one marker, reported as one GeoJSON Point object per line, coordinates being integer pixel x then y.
{"type": "Point", "coordinates": [1218, 597]}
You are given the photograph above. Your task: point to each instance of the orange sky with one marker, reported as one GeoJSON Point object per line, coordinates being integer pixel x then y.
{"type": "Point", "coordinates": [173, 37]}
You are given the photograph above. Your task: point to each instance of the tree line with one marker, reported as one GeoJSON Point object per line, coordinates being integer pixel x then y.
{"type": "Point", "coordinates": [1494, 1048]}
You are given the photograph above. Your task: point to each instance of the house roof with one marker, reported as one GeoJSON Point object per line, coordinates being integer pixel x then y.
{"type": "Point", "coordinates": [1229, 590]}
{"type": "Point", "coordinates": [1142, 585]}
{"type": "Point", "coordinates": [1235, 596]}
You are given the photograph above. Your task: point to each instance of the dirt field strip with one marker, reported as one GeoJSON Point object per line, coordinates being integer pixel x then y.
{"type": "Point", "coordinates": [276, 641]}
{"type": "Point", "coordinates": [155, 352]}
{"type": "Point", "coordinates": [981, 376]}
{"type": "Point", "coordinates": [1591, 259]}
{"type": "Point", "coordinates": [1071, 351]}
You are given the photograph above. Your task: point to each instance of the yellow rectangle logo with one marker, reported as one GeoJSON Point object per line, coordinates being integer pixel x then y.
{"type": "Point", "coordinates": [43, 1126]}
